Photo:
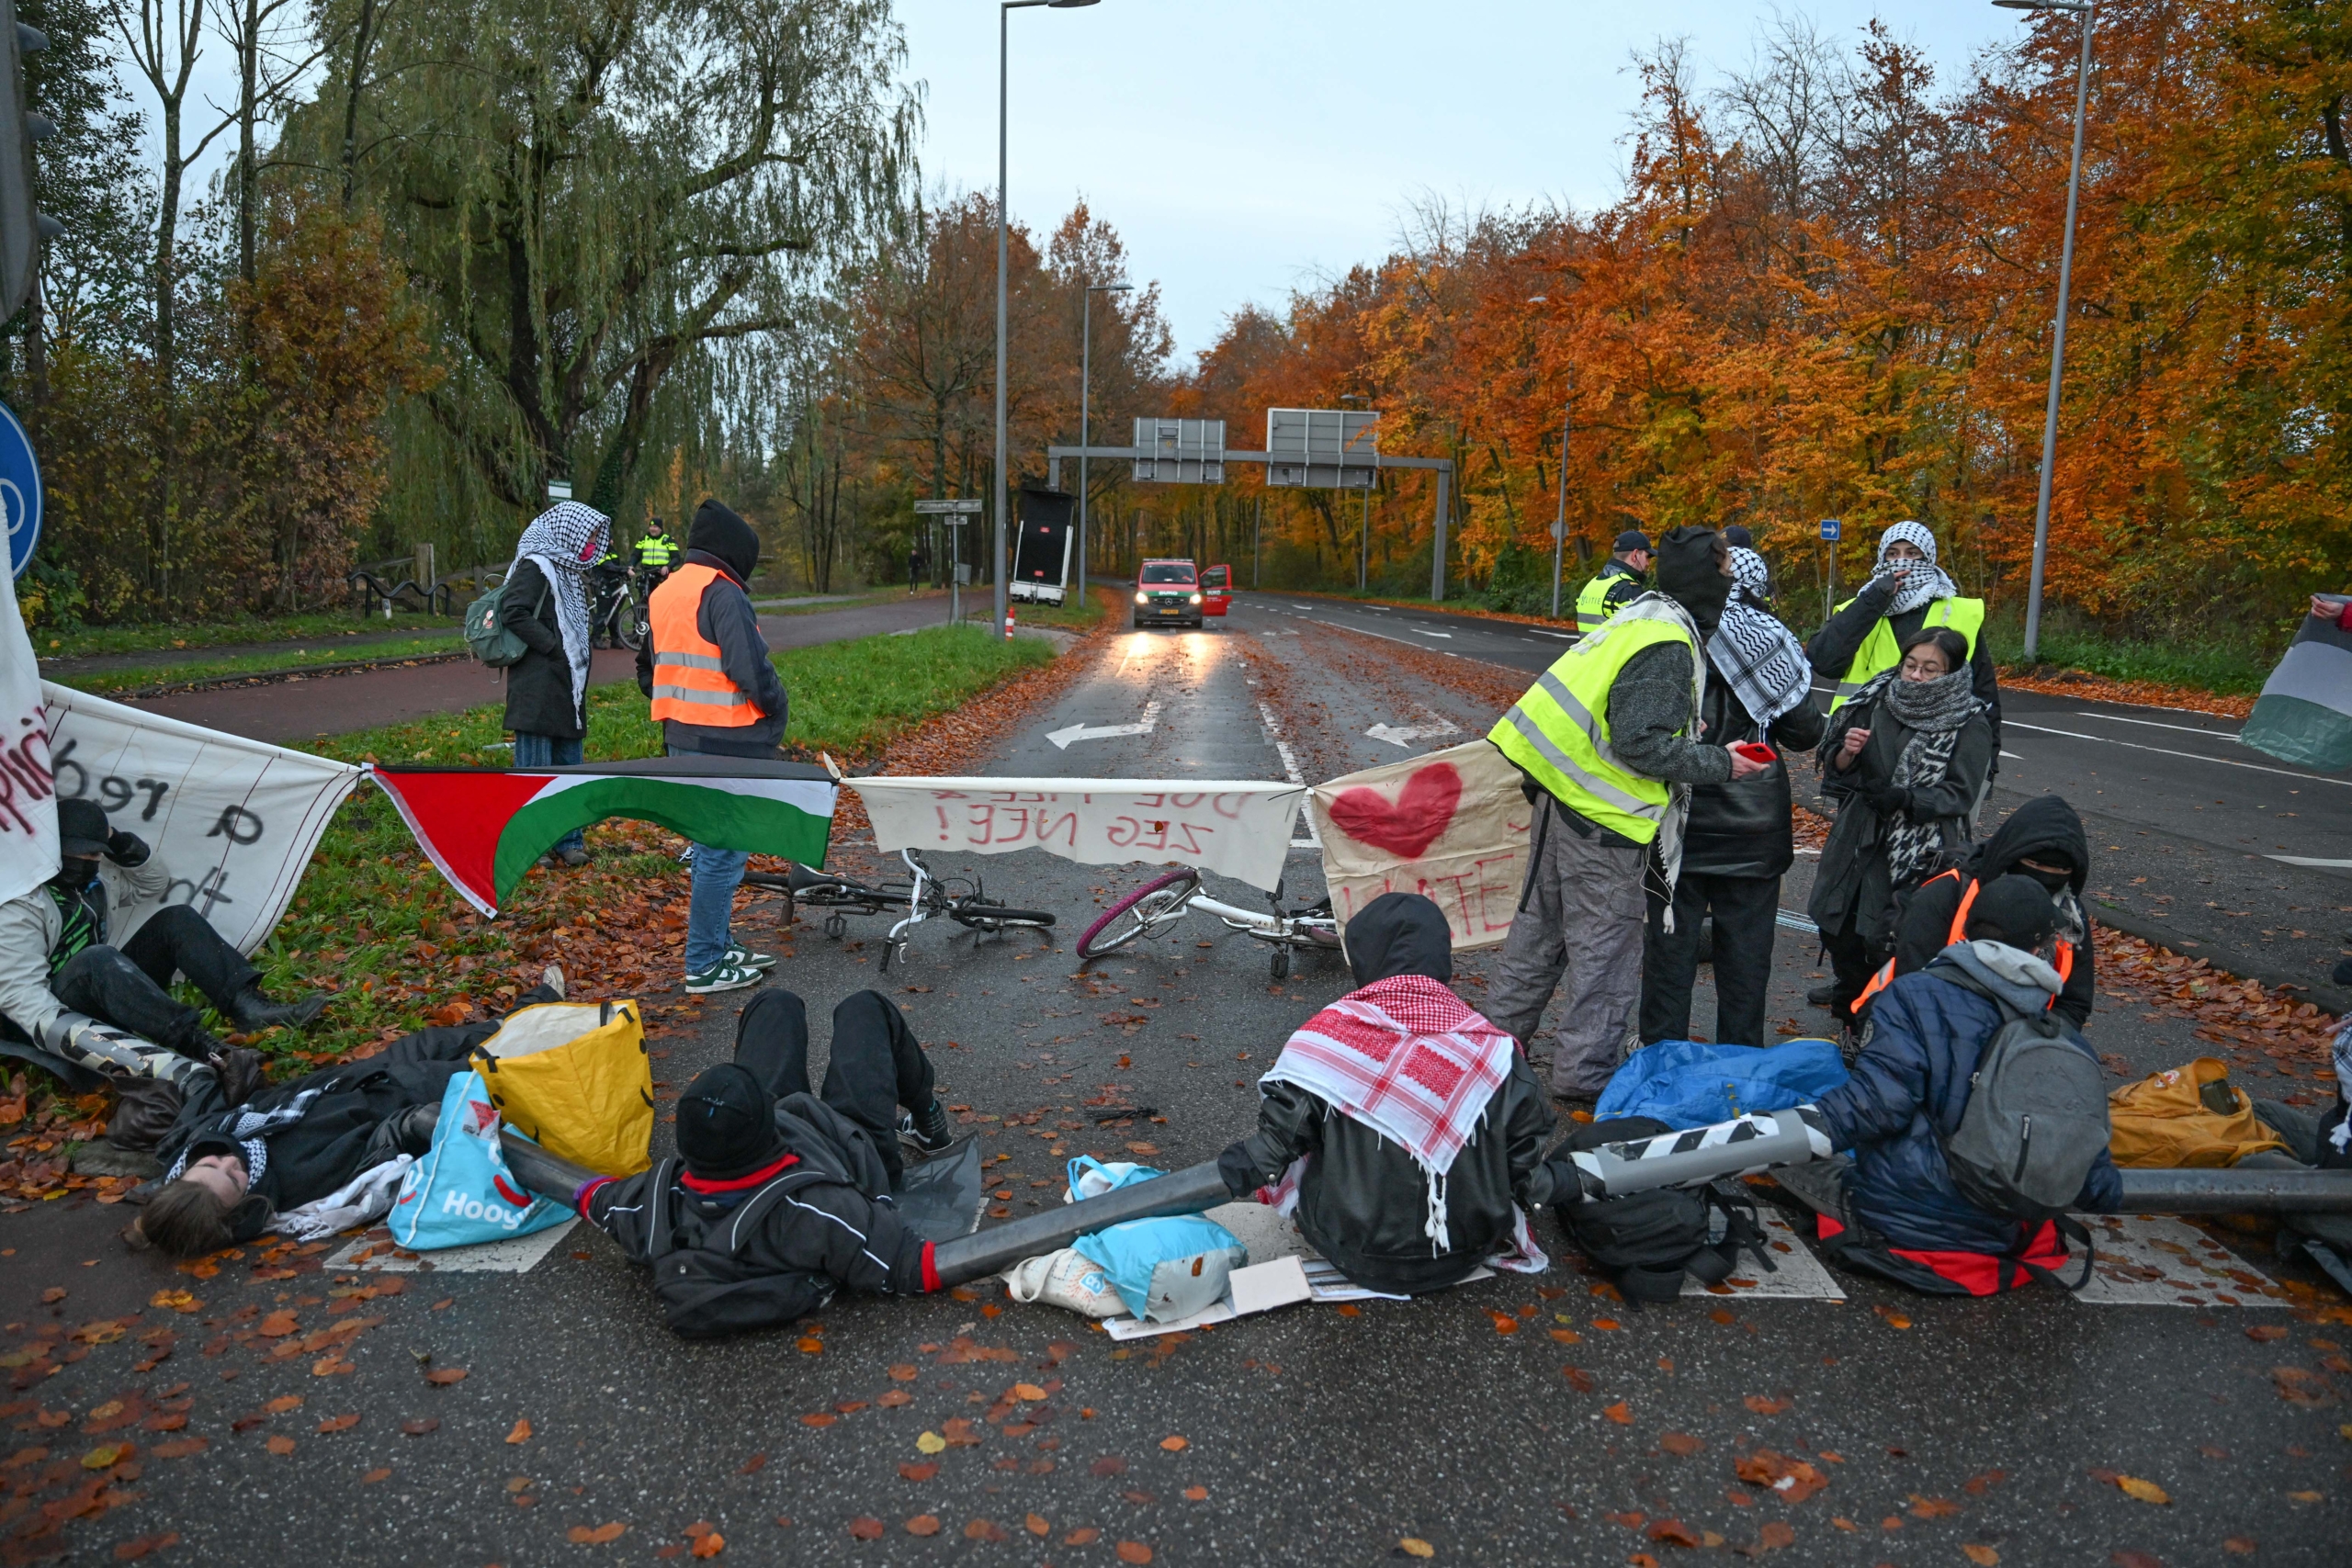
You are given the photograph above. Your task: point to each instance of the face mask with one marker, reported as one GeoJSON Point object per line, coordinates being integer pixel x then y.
{"type": "Point", "coordinates": [2055, 881]}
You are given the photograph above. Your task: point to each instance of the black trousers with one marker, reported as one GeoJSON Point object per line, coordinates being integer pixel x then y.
{"type": "Point", "coordinates": [129, 987]}
{"type": "Point", "coordinates": [877, 1066]}
{"type": "Point", "coordinates": [1852, 964]}
{"type": "Point", "coordinates": [1744, 908]}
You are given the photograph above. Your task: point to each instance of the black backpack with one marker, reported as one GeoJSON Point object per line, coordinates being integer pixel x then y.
{"type": "Point", "coordinates": [707, 1293]}
{"type": "Point", "coordinates": [1644, 1242]}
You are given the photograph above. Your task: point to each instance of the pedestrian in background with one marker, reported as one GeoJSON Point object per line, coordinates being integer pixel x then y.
{"type": "Point", "coordinates": [1739, 841]}
{"type": "Point", "coordinates": [545, 604]}
{"type": "Point", "coordinates": [1606, 740]}
{"type": "Point", "coordinates": [1904, 763]}
{"type": "Point", "coordinates": [717, 692]}
{"type": "Point", "coordinates": [1619, 582]}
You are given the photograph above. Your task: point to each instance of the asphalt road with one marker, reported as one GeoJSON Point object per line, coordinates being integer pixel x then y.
{"type": "Point", "coordinates": [1313, 1433]}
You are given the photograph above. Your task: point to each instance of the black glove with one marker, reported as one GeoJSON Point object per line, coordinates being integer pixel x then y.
{"type": "Point", "coordinates": [1240, 1175]}
{"type": "Point", "coordinates": [127, 849]}
{"type": "Point", "coordinates": [1568, 1182]}
{"type": "Point", "coordinates": [1886, 799]}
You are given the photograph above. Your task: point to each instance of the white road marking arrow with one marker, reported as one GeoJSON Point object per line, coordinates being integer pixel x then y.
{"type": "Point", "coordinates": [1397, 735]}
{"type": "Point", "coordinates": [1062, 737]}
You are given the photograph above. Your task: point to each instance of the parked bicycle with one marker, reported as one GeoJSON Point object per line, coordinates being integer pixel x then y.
{"type": "Point", "coordinates": [618, 617]}
{"type": "Point", "coordinates": [923, 897]}
{"type": "Point", "coordinates": [1158, 905]}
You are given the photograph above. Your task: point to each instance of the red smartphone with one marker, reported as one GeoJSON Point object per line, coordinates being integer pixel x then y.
{"type": "Point", "coordinates": [1757, 752]}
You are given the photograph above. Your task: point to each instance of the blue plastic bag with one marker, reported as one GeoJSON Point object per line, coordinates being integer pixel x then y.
{"type": "Point", "coordinates": [461, 1192]}
{"type": "Point", "coordinates": [1685, 1083]}
{"type": "Point", "coordinates": [1163, 1268]}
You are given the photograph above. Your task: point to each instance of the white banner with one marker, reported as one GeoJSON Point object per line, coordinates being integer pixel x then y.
{"type": "Point", "coordinates": [1450, 825]}
{"type": "Point", "coordinates": [233, 821]}
{"type": "Point", "coordinates": [27, 801]}
{"type": "Point", "coordinates": [1239, 829]}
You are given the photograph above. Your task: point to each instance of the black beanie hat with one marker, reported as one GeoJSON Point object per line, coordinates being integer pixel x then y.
{"type": "Point", "coordinates": [717, 531]}
{"type": "Point", "coordinates": [1739, 537]}
{"type": "Point", "coordinates": [2015, 909]}
{"type": "Point", "coordinates": [82, 827]}
{"type": "Point", "coordinates": [1688, 573]}
{"type": "Point", "coordinates": [727, 1124]}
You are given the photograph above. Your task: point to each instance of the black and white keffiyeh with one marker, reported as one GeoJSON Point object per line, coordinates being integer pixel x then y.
{"type": "Point", "coordinates": [563, 542]}
{"type": "Point", "coordinates": [1765, 666]}
{"type": "Point", "coordinates": [1922, 582]}
{"type": "Point", "coordinates": [1934, 712]}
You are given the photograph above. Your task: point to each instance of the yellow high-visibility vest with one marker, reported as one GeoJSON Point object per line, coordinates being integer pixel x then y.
{"type": "Point", "coordinates": [1558, 730]}
{"type": "Point", "coordinates": [1877, 653]}
{"type": "Point", "coordinates": [1592, 599]}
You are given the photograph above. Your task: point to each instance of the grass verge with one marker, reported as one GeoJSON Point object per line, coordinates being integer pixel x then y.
{"type": "Point", "coordinates": [138, 677]}
{"type": "Point", "coordinates": [93, 640]}
{"type": "Point", "coordinates": [2229, 666]}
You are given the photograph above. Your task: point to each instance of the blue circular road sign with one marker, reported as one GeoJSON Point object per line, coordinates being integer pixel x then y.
{"type": "Point", "coordinates": [19, 491]}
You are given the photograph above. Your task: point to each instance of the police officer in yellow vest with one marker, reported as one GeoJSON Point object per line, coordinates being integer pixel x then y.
{"type": "Point", "coordinates": [1908, 590]}
{"type": "Point", "coordinates": [717, 692]}
{"type": "Point", "coordinates": [657, 552]}
{"type": "Point", "coordinates": [1620, 581]}
{"type": "Point", "coordinates": [1604, 739]}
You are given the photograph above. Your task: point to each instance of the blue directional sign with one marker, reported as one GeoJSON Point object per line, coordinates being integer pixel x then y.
{"type": "Point", "coordinates": [19, 491]}
{"type": "Point", "coordinates": [1829, 529]}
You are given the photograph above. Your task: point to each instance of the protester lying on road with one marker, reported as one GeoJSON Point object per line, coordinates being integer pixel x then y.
{"type": "Point", "coordinates": [57, 973]}
{"type": "Point", "coordinates": [1895, 1208]}
{"type": "Point", "coordinates": [1408, 1129]}
{"type": "Point", "coordinates": [233, 1173]}
{"type": "Point", "coordinates": [2043, 840]}
{"type": "Point", "coordinates": [779, 1197]}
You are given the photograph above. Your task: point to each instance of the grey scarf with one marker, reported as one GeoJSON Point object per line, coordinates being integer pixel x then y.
{"type": "Point", "coordinates": [1934, 712]}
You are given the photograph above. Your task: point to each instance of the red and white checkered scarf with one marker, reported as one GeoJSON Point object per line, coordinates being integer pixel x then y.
{"type": "Point", "coordinates": [1411, 1061]}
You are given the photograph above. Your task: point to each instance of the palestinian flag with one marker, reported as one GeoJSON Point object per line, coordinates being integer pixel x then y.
{"type": "Point", "coordinates": [484, 827]}
{"type": "Point", "coordinates": [2304, 714]}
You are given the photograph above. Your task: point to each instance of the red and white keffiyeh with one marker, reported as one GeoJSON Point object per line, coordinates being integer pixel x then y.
{"type": "Point", "coordinates": [1411, 1061]}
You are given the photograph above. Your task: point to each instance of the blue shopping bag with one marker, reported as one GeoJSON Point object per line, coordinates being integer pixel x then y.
{"type": "Point", "coordinates": [1688, 1083]}
{"type": "Point", "coordinates": [461, 1192]}
{"type": "Point", "coordinates": [1163, 1268]}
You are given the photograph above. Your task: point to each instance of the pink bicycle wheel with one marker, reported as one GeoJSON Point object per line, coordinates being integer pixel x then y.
{"type": "Point", "coordinates": [1119, 926]}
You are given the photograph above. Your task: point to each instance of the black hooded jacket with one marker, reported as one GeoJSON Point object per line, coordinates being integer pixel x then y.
{"type": "Point", "coordinates": [2042, 828]}
{"type": "Point", "coordinates": [1363, 1200]}
{"type": "Point", "coordinates": [721, 539]}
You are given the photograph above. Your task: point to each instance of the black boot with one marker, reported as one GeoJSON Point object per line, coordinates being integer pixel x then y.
{"type": "Point", "coordinates": [251, 1011]}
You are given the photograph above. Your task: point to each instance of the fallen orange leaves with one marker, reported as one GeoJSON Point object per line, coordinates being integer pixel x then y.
{"type": "Point", "coordinates": [581, 1535]}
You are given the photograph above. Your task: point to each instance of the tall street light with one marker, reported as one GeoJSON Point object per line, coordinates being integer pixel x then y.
{"type": "Point", "coordinates": [1363, 534]}
{"type": "Point", "coordinates": [1085, 389]}
{"type": "Point", "coordinates": [1560, 521]}
{"type": "Point", "coordinates": [2087, 10]}
{"type": "Point", "coordinates": [1003, 40]}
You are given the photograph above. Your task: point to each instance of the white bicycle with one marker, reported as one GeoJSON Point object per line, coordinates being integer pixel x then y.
{"type": "Point", "coordinates": [1158, 905]}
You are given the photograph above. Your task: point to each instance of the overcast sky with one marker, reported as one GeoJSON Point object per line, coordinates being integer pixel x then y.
{"type": "Point", "coordinates": [1244, 148]}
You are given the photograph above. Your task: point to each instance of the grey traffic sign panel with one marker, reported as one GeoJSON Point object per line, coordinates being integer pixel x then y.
{"type": "Point", "coordinates": [1322, 448]}
{"type": "Point", "coordinates": [970, 504]}
{"type": "Point", "coordinates": [1180, 451]}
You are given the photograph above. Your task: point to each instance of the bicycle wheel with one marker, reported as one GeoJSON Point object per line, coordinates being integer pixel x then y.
{"type": "Point", "coordinates": [1154, 904]}
{"type": "Point", "coordinates": [988, 916]}
{"type": "Point", "coordinates": [631, 622]}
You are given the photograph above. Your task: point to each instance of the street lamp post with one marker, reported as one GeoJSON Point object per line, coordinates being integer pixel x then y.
{"type": "Point", "coordinates": [1003, 43]}
{"type": "Point", "coordinates": [2087, 10]}
{"type": "Point", "coordinates": [1560, 521]}
{"type": "Point", "coordinates": [1085, 390]}
{"type": "Point", "coordinates": [1364, 534]}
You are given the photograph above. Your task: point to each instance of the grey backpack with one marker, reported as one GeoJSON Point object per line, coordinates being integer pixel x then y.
{"type": "Point", "coordinates": [2036, 1118]}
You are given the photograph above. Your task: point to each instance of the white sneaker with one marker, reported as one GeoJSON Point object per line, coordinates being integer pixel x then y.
{"type": "Point", "coordinates": [721, 976]}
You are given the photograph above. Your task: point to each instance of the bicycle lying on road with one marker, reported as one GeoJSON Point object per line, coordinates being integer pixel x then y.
{"type": "Point", "coordinates": [923, 897]}
{"type": "Point", "coordinates": [1158, 905]}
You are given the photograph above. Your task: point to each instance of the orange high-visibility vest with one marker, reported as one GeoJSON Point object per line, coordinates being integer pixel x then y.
{"type": "Point", "coordinates": [690, 681]}
{"type": "Point", "coordinates": [1885, 976]}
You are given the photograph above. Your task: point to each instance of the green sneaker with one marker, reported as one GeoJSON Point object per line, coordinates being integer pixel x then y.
{"type": "Point", "coordinates": [745, 958]}
{"type": "Point", "coordinates": [721, 976]}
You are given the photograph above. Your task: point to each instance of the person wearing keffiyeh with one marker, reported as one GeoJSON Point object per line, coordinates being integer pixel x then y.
{"type": "Point", "coordinates": [545, 604]}
{"type": "Point", "coordinates": [1404, 1131]}
{"type": "Point", "coordinates": [1863, 637]}
{"type": "Point", "coordinates": [1739, 842]}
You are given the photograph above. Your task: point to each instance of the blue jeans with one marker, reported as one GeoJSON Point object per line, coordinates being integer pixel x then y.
{"type": "Point", "coordinates": [717, 873]}
{"type": "Point", "coordinates": [551, 751]}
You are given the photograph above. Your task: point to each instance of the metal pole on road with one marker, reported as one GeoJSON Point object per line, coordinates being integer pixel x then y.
{"type": "Point", "coordinates": [2087, 12]}
{"type": "Point", "coordinates": [1085, 388]}
{"type": "Point", "coordinates": [1005, 8]}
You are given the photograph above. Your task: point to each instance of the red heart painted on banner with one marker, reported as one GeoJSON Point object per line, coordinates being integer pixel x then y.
{"type": "Point", "coordinates": [1422, 811]}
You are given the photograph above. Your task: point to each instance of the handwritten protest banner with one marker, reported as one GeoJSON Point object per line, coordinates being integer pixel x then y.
{"type": "Point", "coordinates": [235, 820]}
{"type": "Point", "coordinates": [1240, 829]}
{"type": "Point", "coordinates": [1451, 825]}
{"type": "Point", "coordinates": [27, 798]}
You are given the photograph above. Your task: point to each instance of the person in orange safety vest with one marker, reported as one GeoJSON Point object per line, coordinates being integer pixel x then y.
{"type": "Point", "coordinates": [715, 691]}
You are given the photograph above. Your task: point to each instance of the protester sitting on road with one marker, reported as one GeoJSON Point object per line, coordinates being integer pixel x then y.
{"type": "Point", "coordinates": [2043, 840]}
{"type": "Point", "coordinates": [232, 1173]}
{"type": "Point", "coordinates": [1619, 582]}
{"type": "Point", "coordinates": [59, 973]}
{"type": "Point", "coordinates": [1863, 637]}
{"type": "Point", "coordinates": [1606, 741]}
{"type": "Point", "coordinates": [1407, 1129]}
{"type": "Point", "coordinates": [1739, 840]}
{"type": "Point", "coordinates": [716, 692]}
{"type": "Point", "coordinates": [780, 1197]}
{"type": "Point", "coordinates": [545, 604]}
{"type": "Point", "coordinates": [1894, 1209]}
{"type": "Point", "coordinates": [1904, 763]}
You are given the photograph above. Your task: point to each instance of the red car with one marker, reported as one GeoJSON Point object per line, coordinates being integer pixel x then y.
{"type": "Point", "coordinates": [1216, 590]}
{"type": "Point", "coordinates": [1168, 592]}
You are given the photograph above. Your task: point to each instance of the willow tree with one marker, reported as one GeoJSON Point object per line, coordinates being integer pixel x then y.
{"type": "Point", "coordinates": [591, 192]}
